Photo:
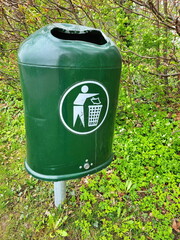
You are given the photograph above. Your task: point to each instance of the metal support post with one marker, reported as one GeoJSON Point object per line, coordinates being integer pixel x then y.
{"type": "Point", "coordinates": [59, 192]}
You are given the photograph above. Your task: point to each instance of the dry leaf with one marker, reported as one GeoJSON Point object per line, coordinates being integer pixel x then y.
{"type": "Point", "coordinates": [176, 225]}
{"type": "Point", "coordinates": [177, 118]}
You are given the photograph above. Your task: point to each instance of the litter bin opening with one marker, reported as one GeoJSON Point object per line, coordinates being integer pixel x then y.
{"type": "Point", "coordinates": [92, 36]}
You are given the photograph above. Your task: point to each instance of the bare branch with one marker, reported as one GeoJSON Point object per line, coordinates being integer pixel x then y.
{"type": "Point", "coordinates": [148, 57]}
{"type": "Point", "coordinates": [73, 10]}
{"type": "Point", "coordinates": [164, 75]}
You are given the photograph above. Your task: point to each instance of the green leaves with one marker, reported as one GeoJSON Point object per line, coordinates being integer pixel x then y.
{"type": "Point", "coordinates": [136, 197]}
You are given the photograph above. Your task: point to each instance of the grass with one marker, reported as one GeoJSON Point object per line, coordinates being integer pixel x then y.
{"type": "Point", "coordinates": [136, 197]}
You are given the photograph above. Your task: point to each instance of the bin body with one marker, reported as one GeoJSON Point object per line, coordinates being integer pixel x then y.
{"type": "Point", "coordinates": [70, 89]}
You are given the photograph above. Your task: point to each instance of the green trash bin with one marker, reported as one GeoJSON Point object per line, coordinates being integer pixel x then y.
{"type": "Point", "coordinates": [70, 80]}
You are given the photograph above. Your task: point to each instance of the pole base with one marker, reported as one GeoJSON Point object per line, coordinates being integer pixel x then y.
{"type": "Point", "coordinates": [59, 193]}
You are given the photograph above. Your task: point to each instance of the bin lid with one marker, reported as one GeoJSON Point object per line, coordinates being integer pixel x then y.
{"type": "Point", "coordinates": [69, 45]}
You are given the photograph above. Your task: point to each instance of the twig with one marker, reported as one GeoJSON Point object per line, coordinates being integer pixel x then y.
{"type": "Point", "coordinates": [163, 75]}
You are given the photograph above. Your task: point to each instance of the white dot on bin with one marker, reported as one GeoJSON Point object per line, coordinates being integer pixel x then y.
{"type": "Point", "coordinates": [86, 160]}
{"type": "Point", "coordinates": [80, 167]}
{"type": "Point", "coordinates": [91, 164]}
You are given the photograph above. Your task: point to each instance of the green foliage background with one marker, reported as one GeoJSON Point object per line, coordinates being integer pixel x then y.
{"type": "Point", "coordinates": [136, 197]}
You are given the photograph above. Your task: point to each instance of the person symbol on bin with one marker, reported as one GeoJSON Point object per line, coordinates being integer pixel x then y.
{"type": "Point", "coordinates": [78, 104]}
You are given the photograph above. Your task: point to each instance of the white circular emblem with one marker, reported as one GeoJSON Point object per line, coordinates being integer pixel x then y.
{"type": "Point", "coordinates": [84, 106]}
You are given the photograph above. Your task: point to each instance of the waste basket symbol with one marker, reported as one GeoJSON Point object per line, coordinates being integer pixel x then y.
{"type": "Point", "coordinates": [69, 135]}
{"type": "Point", "coordinates": [94, 112]}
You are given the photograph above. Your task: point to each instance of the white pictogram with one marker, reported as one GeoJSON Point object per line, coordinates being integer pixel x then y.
{"type": "Point", "coordinates": [78, 108]}
{"type": "Point", "coordinates": [89, 107]}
